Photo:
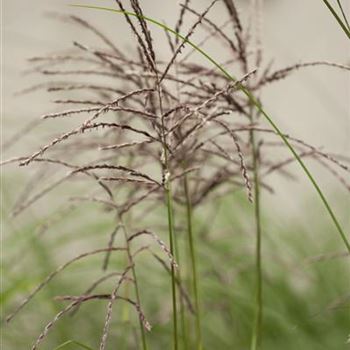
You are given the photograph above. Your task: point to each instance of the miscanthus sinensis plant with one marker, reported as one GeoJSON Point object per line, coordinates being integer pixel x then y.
{"type": "Point", "coordinates": [154, 130]}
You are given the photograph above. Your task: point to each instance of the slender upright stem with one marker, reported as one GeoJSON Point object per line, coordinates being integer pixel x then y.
{"type": "Point", "coordinates": [169, 201]}
{"type": "Point", "coordinates": [171, 240]}
{"type": "Point", "coordinates": [137, 292]}
{"type": "Point", "coordinates": [182, 305]}
{"type": "Point", "coordinates": [193, 263]}
{"type": "Point", "coordinates": [257, 330]}
{"type": "Point", "coordinates": [184, 326]}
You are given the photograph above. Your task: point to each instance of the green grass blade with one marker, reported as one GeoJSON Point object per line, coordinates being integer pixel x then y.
{"type": "Point", "coordinates": [257, 330]}
{"type": "Point", "coordinates": [193, 264]}
{"type": "Point", "coordinates": [172, 250]}
{"type": "Point", "coordinates": [253, 100]}
{"type": "Point", "coordinates": [343, 13]}
{"type": "Point", "coordinates": [334, 13]}
{"type": "Point", "coordinates": [74, 342]}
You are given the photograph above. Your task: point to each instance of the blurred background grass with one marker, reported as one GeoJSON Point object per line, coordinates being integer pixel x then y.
{"type": "Point", "coordinates": [306, 289]}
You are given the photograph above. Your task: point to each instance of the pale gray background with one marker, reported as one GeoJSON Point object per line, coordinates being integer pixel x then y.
{"type": "Point", "coordinates": [312, 105]}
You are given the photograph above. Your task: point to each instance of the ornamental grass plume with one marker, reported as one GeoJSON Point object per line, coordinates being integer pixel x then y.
{"type": "Point", "coordinates": [160, 132]}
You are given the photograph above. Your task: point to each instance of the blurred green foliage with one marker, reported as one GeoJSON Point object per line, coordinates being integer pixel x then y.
{"type": "Point", "coordinates": [306, 289]}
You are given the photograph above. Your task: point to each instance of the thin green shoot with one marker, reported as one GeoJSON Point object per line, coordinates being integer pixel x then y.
{"type": "Point", "coordinates": [343, 13]}
{"type": "Point", "coordinates": [257, 330]}
{"type": "Point", "coordinates": [335, 15]}
{"type": "Point", "coordinates": [193, 264]}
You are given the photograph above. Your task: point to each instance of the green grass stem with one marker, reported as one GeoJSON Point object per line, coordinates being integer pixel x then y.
{"type": "Point", "coordinates": [257, 330]}
{"type": "Point", "coordinates": [170, 211]}
{"type": "Point", "coordinates": [343, 14]}
{"type": "Point", "coordinates": [199, 344]}
{"type": "Point", "coordinates": [335, 15]}
{"type": "Point", "coordinates": [171, 240]}
{"type": "Point", "coordinates": [179, 276]}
